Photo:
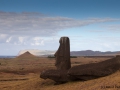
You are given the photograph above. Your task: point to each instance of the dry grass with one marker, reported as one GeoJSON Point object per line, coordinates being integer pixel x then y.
{"type": "Point", "coordinates": [23, 74]}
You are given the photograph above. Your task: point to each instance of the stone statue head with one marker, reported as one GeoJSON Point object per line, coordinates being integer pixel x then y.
{"type": "Point", "coordinates": [63, 54]}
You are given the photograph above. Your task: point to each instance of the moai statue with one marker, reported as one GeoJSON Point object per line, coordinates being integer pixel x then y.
{"type": "Point", "coordinates": [62, 55]}
{"type": "Point", "coordinates": [94, 70]}
{"type": "Point", "coordinates": [62, 63]}
{"type": "Point", "coordinates": [65, 73]}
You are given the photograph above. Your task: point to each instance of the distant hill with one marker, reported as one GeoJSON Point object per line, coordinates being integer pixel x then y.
{"type": "Point", "coordinates": [37, 52]}
{"type": "Point", "coordinates": [26, 55]}
{"type": "Point", "coordinates": [46, 53]}
{"type": "Point", "coordinates": [94, 53]}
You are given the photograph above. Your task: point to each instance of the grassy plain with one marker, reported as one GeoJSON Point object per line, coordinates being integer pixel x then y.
{"type": "Point", "coordinates": [23, 74]}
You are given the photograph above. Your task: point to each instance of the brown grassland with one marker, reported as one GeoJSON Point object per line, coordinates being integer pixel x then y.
{"type": "Point", "coordinates": [23, 74]}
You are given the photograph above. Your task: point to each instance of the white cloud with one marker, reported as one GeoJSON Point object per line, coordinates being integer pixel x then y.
{"type": "Point", "coordinates": [17, 40]}
{"type": "Point", "coordinates": [9, 39]}
{"type": "Point", "coordinates": [21, 39]}
{"type": "Point", "coordinates": [37, 38]}
{"type": "Point", "coordinates": [37, 41]}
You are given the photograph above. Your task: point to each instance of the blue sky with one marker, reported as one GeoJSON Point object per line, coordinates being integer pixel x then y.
{"type": "Point", "coordinates": [38, 24]}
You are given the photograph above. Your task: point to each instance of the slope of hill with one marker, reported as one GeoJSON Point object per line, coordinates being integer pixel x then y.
{"type": "Point", "coordinates": [26, 55]}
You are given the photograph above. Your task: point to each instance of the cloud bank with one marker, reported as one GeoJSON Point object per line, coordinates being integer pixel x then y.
{"type": "Point", "coordinates": [32, 29]}
{"type": "Point", "coordinates": [33, 24]}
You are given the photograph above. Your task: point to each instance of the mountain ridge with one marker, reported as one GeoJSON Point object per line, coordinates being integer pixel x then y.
{"type": "Point", "coordinates": [37, 52]}
{"type": "Point", "coordinates": [94, 53]}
